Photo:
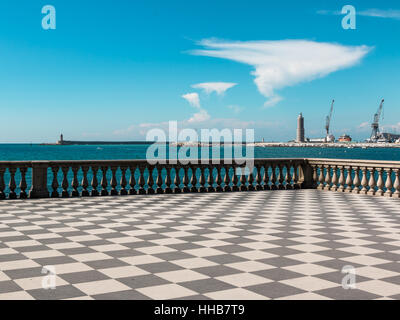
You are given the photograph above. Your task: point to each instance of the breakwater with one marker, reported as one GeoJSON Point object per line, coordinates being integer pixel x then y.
{"type": "Point", "coordinates": [96, 143]}
{"type": "Point", "coordinates": [348, 145]}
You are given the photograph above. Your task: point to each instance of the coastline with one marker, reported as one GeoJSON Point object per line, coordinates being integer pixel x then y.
{"type": "Point", "coordinates": [94, 143]}
{"type": "Point", "coordinates": [347, 145]}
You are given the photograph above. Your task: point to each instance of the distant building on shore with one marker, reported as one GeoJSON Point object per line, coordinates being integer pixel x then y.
{"type": "Point", "coordinates": [344, 138]}
{"type": "Point", "coordinates": [63, 142]}
{"type": "Point", "coordinates": [300, 129]}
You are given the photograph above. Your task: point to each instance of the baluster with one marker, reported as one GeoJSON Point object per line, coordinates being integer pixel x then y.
{"type": "Point", "coordinates": [177, 181]}
{"type": "Point", "coordinates": [159, 181]}
{"type": "Point", "coordinates": [273, 177]}
{"type": "Point", "coordinates": [123, 182]}
{"type": "Point", "coordinates": [2, 185]}
{"type": "Point", "coordinates": [364, 181]}
{"type": "Point", "coordinates": [280, 177]}
{"type": "Point", "coordinates": [23, 185]}
{"type": "Point", "coordinates": [185, 181]}
{"type": "Point", "coordinates": [235, 180]}
{"type": "Point", "coordinates": [315, 176]}
{"type": "Point", "coordinates": [75, 183]}
{"type": "Point", "coordinates": [132, 180]}
{"type": "Point", "coordinates": [396, 184]}
{"type": "Point", "coordinates": [65, 184]}
{"type": "Point", "coordinates": [243, 180]}
{"type": "Point", "coordinates": [356, 181]}
{"type": "Point", "coordinates": [193, 180]}
{"type": "Point", "coordinates": [349, 180]}
{"type": "Point", "coordinates": [258, 178]}
{"type": "Point", "coordinates": [85, 183]}
{"type": "Point", "coordinates": [389, 183]}
{"type": "Point", "coordinates": [227, 180]}
{"type": "Point", "coordinates": [104, 182]}
{"type": "Point", "coordinates": [168, 180]}
{"type": "Point", "coordinates": [150, 180]}
{"type": "Point", "coordinates": [266, 178]}
{"type": "Point", "coordinates": [341, 179]}
{"type": "Point", "coordinates": [219, 180]}
{"type": "Point", "coordinates": [141, 181]}
{"type": "Point", "coordinates": [328, 178]}
{"type": "Point", "coordinates": [288, 178]}
{"type": "Point", "coordinates": [54, 183]}
{"type": "Point", "coordinates": [296, 183]}
{"type": "Point", "coordinates": [202, 180]}
{"type": "Point", "coordinates": [113, 181]}
{"type": "Point", "coordinates": [372, 182]}
{"type": "Point", "coordinates": [210, 179]}
{"type": "Point", "coordinates": [334, 179]}
{"type": "Point", "coordinates": [250, 179]}
{"type": "Point", "coordinates": [95, 182]}
{"type": "Point", "coordinates": [12, 185]}
{"type": "Point", "coordinates": [321, 178]}
{"type": "Point", "coordinates": [380, 184]}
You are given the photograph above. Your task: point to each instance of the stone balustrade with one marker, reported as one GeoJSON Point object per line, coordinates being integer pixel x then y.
{"type": "Point", "coordinates": [9, 170]}
{"type": "Point", "coordinates": [380, 178]}
{"type": "Point", "coordinates": [42, 179]}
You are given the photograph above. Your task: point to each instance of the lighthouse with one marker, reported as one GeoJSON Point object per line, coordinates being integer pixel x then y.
{"type": "Point", "coordinates": [61, 141]}
{"type": "Point", "coordinates": [300, 129]}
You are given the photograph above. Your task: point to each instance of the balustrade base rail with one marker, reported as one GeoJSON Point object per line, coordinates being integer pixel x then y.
{"type": "Point", "coordinates": [44, 179]}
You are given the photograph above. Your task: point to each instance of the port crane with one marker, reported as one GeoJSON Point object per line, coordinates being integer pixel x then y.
{"type": "Point", "coordinates": [375, 124]}
{"type": "Point", "coordinates": [328, 119]}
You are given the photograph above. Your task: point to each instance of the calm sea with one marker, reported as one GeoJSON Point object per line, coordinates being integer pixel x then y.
{"type": "Point", "coordinates": [10, 152]}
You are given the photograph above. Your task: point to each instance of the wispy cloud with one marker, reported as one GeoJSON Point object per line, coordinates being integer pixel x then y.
{"type": "Point", "coordinates": [364, 126]}
{"type": "Point", "coordinates": [200, 116]}
{"type": "Point", "coordinates": [194, 101]}
{"type": "Point", "coordinates": [192, 98]}
{"type": "Point", "coordinates": [379, 13]}
{"type": "Point", "coordinates": [218, 123]}
{"type": "Point", "coordinates": [394, 128]}
{"type": "Point", "coordinates": [236, 109]}
{"type": "Point", "coordinates": [278, 64]}
{"type": "Point", "coordinates": [218, 87]}
{"type": "Point", "coordinates": [329, 12]}
{"type": "Point", "coordinates": [375, 13]}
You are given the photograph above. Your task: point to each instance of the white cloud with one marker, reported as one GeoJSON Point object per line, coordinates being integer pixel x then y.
{"type": "Point", "coordinates": [375, 13]}
{"type": "Point", "coordinates": [139, 131]}
{"type": "Point", "coordinates": [235, 108]}
{"type": "Point", "coordinates": [363, 125]}
{"type": "Point", "coordinates": [200, 116]}
{"type": "Point", "coordinates": [282, 63]}
{"type": "Point", "coordinates": [393, 128]}
{"type": "Point", "coordinates": [218, 87]}
{"type": "Point", "coordinates": [379, 13]}
{"type": "Point", "coordinates": [329, 12]}
{"type": "Point", "coordinates": [125, 131]}
{"type": "Point", "coordinates": [193, 99]}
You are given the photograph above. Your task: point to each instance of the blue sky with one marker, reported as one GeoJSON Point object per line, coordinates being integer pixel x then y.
{"type": "Point", "coordinates": [113, 69]}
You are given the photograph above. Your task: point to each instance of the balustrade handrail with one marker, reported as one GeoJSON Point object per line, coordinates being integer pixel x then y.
{"type": "Point", "coordinates": [358, 162]}
{"type": "Point", "coordinates": [144, 161]}
{"type": "Point", "coordinates": [355, 162]}
{"type": "Point", "coordinates": [137, 176]}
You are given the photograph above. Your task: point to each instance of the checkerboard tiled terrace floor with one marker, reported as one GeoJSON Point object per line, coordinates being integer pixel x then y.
{"type": "Point", "coordinates": [246, 245]}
